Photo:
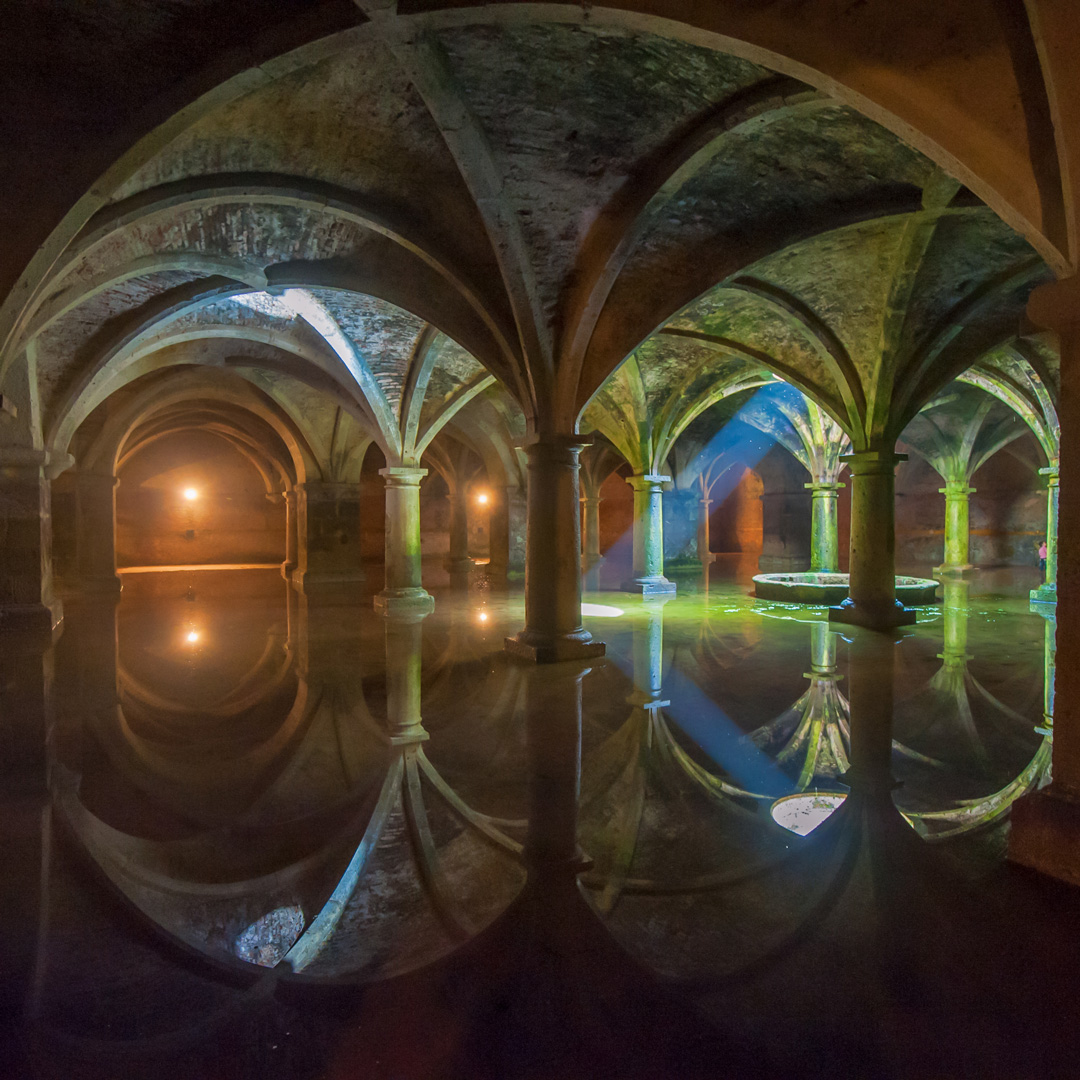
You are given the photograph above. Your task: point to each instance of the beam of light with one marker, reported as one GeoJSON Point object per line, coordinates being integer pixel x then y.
{"type": "Point", "coordinates": [804, 812]}
{"type": "Point", "coordinates": [190, 494]}
{"type": "Point", "coordinates": [601, 611]}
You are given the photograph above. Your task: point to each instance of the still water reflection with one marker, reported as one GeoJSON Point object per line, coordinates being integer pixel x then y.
{"type": "Point", "coordinates": [243, 781]}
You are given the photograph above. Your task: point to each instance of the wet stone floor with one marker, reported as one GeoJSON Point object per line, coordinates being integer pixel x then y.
{"type": "Point", "coordinates": [251, 833]}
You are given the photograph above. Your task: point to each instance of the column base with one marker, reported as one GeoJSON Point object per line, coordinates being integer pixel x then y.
{"type": "Point", "coordinates": [551, 649]}
{"type": "Point", "coordinates": [404, 601]}
{"type": "Point", "coordinates": [31, 618]}
{"type": "Point", "coordinates": [964, 571]}
{"type": "Point", "coordinates": [1045, 594]}
{"type": "Point", "coordinates": [309, 583]}
{"type": "Point", "coordinates": [872, 618]}
{"type": "Point", "coordinates": [1045, 833]}
{"type": "Point", "coordinates": [650, 586]}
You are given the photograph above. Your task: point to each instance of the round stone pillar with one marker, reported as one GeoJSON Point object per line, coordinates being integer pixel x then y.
{"type": "Point", "coordinates": [458, 561]}
{"type": "Point", "coordinates": [871, 598]}
{"type": "Point", "coordinates": [404, 638]}
{"type": "Point", "coordinates": [591, 515]}
{"type": "Point", "coordinates": [648, 576]}
{"type": "Point", "coordinates": [704, 550]}
{"type": "Point", "coordinates": [498, 533]}
{"type": "Point", "coordinates": [824, 531]}
{"type": "Point", "coordinates": [1046, 593]}
{"type": "Point", "coordinates": [957, 495]}
{"type": "Point", "coordinates": [403, 589]}
{"type": "Point", "coordinates": [291, 535]}
{"type": "Point", "coordinates": [648, 654]}
{"type": "Point", "coordinates": [553, 629]}
{"type": "Point", "coordinates": [95, 532]}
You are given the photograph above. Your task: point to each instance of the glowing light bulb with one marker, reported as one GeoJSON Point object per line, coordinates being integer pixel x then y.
{"type": "Point", "coordinates": [482, 498]}
{"type": "Point", "coordinates": [190, 494]}
{"type": "Point", "coordinates": [193, 636]}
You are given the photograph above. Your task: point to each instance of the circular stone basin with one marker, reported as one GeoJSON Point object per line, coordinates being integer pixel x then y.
{"type": "Point", "coordinates": [824, 590]}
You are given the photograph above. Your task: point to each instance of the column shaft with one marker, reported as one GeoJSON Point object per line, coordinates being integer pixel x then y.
{"type": "Point", "coordinates": [704, 550]}
{"type": "Point", "coordinates": [499, 533]}
{"type": "Point", "coordinates": [553, 629]}
{"type": "Point", "coordinates": [291, 536]}
{"type": "Point", "coordinates": [328, 538]}
{"type": "Point", "coordinates": [404, 589]}
{"type": "Point", "coordinates": [458, 559]}
{"type": "Point", "coordinates": [648, 576]}
{"type": "Point", "coordinates": [1046, 593]}
{"type": "Point", "coordinates": [871, 598]}
{"type": "Point", "coordinates": [95, 532]}
{"type": "Point", "coordinates": [824, 528]}
{"type": "Point", "coordinates": [591, 515]}
{"type": "Point", "coordinates": [957, 495]}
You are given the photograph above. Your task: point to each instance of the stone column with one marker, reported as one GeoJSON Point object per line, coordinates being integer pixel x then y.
{"type": "Point", "coordinates": [291, 535]}
{"type": "Point", "coordinates": [591, 515]}
{"type": "Point", "coordinates": [956, 494]}
{"type": "Point", "coordinates": [648, 653]}
{"type": "Point", "coordinates": [872, 562]}
{"type": "Point", "coordinates": [517, 511]}
{"type": "Point", "coordinates": [704, 551]}
{"type": "Point", "coordinates": [404, 590]}
{"type": "Point", "coordinates": [1045, 832]}
{"type": "Point", "coordinates": [553, 629]}
{"type": "Point", "coordinates": [954, 615]}
{"type": "Point", "coordinates": [95, 532]}
{"type": "Point", "coordinates": [499, 533]}
{"type": "Point", "coordinates": [824, 531]}
{"type": "Point", "coordinates": [1046, 593]}
{"type": "Point", "coordinates": [458, 561]}
{"type": "Point", "coordinates": [26, 577]}
{"type": "Point", "coordinates": [328, 538]}
{"type": "Point", "coordinates": [648, 576]}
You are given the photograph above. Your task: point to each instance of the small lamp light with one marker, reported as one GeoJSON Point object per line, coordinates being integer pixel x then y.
{"type": "Point", "coordinates": [482, 498]}
{"type": "Point", "coordinates": [190, 494]}
{"type": "Point", "coordinates": [192, 636]}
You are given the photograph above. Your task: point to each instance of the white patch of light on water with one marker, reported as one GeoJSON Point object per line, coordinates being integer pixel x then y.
{"type": "Point", "coordinates": [601, 611]}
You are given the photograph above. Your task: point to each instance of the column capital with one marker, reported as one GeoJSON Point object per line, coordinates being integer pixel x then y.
{"type": "Point", "coordinates": [556, 448]}
{"type": "Point", "coordinates": [647, 481]}
{"type": "Point", "coordinates": [403, 476]}
{"type": "Point", "coordinates": [956, 488]}
{"type": "Point", "coordinates": [825, 487]}
{"type": "Point", "coordinates": [1052, 474]}
{"type": "Point", "coordinates": [867, 462]}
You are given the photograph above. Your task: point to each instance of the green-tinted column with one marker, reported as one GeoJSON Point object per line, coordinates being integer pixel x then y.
{"type": "Point", "coordinates": [591, 515]}
{"type": "Point", "coordinates": [957, 495]}
{"type": "Point", "coordinates": [871, 598]}
{"type": "Point", "coordinates": [648, 652]}
{"type": "Point", "coordinates": [954, 611]}
{"type": "Point", "coordinates": [1046, 593]}
{"type": "Point", "coordinates": [553, 629]}
{"type": "Point", "coordinates": [824, 530]}
{"type": "Point", "coordinates": [648, 576]}
{"type": "Point", "coordinates": [404, 590]}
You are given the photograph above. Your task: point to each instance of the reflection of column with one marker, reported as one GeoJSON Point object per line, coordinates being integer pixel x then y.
{"type": "Point", "coordinates": [95, 532]}
{"type": "Point", "coordinates": [553, 629]}
{"type": "Point", "coordinates": [872, 583]}
{"type": "Point", "coordinates": [404, 640]}
{"type": "Point", "coordinates": [1046, 593]}
{"type": "Point", "coordinates": [26, 577]}
{"type": "Point", "coordinates": [648, 576]}
{"type": "Point", "coordinates": [591, 507]}
{"type": "Point", "coordinates": [291, 544]}
{"type": "Point", "coordinates": [954, 613]}
{"type": "Point", "coordinates": [458, 561]}
{"type": "Point", "coordinates": [328, 532]}
{"type": "Point", "coordinates": [649, 655]}
{"type": "Point", "coordinates": [957, 495]}
{"type": "Point", "coordinates": [404, 590]}
{"type": "Point", "coordinates": [824, 530]}
{"type": "Point", "coordinates": [871, 672]}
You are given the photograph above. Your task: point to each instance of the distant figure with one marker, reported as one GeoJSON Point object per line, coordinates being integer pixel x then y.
{"type": "Point", "coordinates": [1042, 556]}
